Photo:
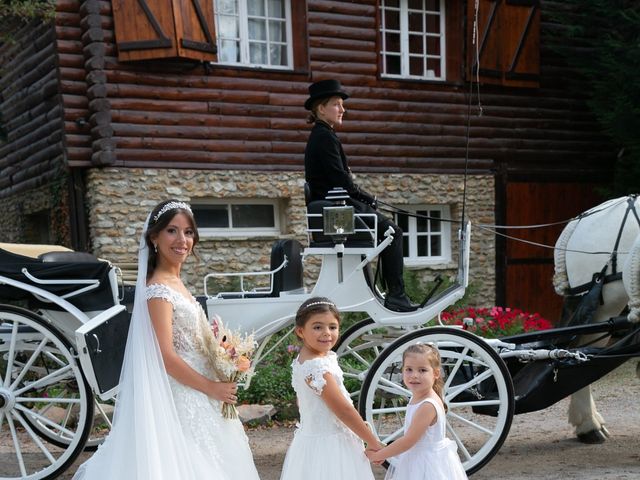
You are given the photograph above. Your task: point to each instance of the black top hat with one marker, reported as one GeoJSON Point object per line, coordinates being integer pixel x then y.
{"type": "Point", "coordinates": [324, 89]}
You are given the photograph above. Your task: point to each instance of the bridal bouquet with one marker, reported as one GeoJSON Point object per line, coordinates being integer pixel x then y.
{"type": "Point", "coordinates": [231, 357]}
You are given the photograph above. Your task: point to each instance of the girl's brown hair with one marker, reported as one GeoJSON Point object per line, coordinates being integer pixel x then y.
{"type": "Point", "coordinates": [313, 306]}
{"type": "Point", "coordinates": [157, 224]}
{"type": "Point", "coordinates": [433, 357]}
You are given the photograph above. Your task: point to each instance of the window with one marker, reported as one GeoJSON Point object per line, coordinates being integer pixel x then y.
{"type": "Point", "coordinates": [251, 217]}
{"type": "Point", "coordinates": [413, 39]}
{"type": "Point", "coordinates": [254, 33]}
{"type": "Point", "coordinates": [426, 237]}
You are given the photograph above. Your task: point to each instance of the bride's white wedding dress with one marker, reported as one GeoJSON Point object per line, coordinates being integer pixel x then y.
{"type": "Point", "coordinates": [185, 438]}
{"type": "Point", "coordinates": [215, 436]}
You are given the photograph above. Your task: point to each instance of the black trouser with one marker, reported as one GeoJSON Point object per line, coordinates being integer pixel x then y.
{"type": "Point", "coordinates": [392, 256]}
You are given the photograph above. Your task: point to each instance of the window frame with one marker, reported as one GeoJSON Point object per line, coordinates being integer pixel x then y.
{"type": "Point", "coordinates": [404, 45]}
{"type": "Point", "coordinates": [231, 232]}
{"type": "Point", "coordinates": [411, 258]}
{"type": "Point", "coordinates": [243, 39]}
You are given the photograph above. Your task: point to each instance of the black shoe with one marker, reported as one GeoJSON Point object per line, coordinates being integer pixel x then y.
{"type": "Point", "coordinates": [400, 303]}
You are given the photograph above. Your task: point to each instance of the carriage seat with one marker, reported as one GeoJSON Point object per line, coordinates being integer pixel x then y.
{"type": "Point", "coordinates": [289, 278]}
{"type": "Point", "coordinates": [68, 257]}
{"type": "Point", "coordinates": [360, 239]}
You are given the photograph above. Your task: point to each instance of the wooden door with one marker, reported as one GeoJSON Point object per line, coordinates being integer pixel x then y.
{"type": "Point", "coordinates": [529, 268]}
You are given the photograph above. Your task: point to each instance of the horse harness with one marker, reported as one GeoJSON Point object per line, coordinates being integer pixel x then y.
{"type": "Point", "coordinates": [602, 277]}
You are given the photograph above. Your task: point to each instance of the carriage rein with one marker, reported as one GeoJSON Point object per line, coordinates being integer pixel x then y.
{"type": "Point", "coordinates": [598, 276]}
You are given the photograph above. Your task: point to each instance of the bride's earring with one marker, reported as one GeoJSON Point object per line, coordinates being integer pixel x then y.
{"type": "Point", "coordinates": [155, 247]}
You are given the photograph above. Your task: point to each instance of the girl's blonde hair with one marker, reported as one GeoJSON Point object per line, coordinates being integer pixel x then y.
{"type": "Point", "coordinates": [433, 357]}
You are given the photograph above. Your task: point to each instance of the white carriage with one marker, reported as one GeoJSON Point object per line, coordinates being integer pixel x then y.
{"type": "Point", "coordinates": [61, 352]}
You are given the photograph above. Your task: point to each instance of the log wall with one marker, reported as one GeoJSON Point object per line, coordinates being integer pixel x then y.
{"type": "Point", "coordinates": [169, 114]}
{"type": "Point", "coordinates": [31, 110]}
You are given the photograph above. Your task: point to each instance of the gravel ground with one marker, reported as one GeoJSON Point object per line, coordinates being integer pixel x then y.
{"type": "Point", "coordinates": [540, 445]}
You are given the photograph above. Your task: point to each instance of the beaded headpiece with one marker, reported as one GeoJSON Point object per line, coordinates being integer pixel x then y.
{"type": "Point", "coordinates": [171, 206]}
{"type": "Point", "coordinates": [320, 302]}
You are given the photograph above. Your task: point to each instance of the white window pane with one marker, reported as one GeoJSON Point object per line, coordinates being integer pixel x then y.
{"type": "Point", "coordinates": [211, 216]}
{"type": "Point", "coordinates": [228, 26]}
{"type": "Point", "coordinates": [229, 51]}
{"type": "Point", "coordinates": [256, 7]}
{"type": "Point", "coordinates": [253, 216]}
{"type": "Point", "coordinates": [226, 6]}
{"type": "Point", "coordinates": [257, 30]}
{"type": "Point", "coordinates": [277, 31]}
{"type": "Point", "coordinates": [392, 20]}
{"type": "Point", "coordinates": [416, 4]}
{"type": "Point", "coordinates": [277, 54]}
{"type": "Point", "coordinates": [436, 246]}
{"type": "Point", "coordinates": [415, 22]}
{"type": "Point", "coordinates": [258, 53]}
{"type": "Point", "coordinates": [392, 42]}
{"type": "Point", "coordinates": [276, 8]}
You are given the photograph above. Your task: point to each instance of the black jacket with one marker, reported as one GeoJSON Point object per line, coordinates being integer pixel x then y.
{"type": "Point", "coordinates": [325, 165]}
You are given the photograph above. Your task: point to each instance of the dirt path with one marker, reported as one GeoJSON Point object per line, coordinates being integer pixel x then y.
{"type": "Point", "coordinates": [540, 445]}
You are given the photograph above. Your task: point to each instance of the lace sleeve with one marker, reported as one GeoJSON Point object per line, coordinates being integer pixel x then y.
{"type": "Point", "coordinates": [313, 374]}
{"type": "Point", "coordinates": [157, 290]}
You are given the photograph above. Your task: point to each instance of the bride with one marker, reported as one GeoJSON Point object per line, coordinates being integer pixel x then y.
{"type": "Point", "coordinates": [167, 423]}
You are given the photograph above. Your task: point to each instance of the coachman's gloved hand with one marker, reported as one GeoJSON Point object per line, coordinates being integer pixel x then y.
{"type": "Point", "coordinates": [369, 199]}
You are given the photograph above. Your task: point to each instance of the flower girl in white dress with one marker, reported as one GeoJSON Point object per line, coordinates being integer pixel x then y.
{"type": "Point", "coordinates": [424, 452]}
{"type": "Point", "coordinates": [328, 444]}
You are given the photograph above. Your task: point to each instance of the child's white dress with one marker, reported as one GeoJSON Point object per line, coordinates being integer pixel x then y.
{"type": "Point", "coordinates": [323, 447]}
{"type": "Point", "coordinates": [433, 457]}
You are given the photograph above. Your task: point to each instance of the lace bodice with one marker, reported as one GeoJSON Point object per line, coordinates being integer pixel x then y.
{"type": "Point", "coordinates": [308, 382]}
{"type": "Point", "coordinates": [188, 318]}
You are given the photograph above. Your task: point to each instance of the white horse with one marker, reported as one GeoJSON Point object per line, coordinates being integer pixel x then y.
{"type": "Point", "coordinates": [602, 244]}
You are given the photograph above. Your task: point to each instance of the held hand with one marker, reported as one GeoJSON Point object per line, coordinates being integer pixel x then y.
{"type": "Point", "coordinates": [224, 392]}
{"type": "Point", "coordinates": [374, 457]}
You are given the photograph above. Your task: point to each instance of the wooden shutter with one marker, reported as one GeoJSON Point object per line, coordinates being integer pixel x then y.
{"type": "Point", "coordinates": [508, 42]}
{"type": "Point", "coordinates": [149, 29]}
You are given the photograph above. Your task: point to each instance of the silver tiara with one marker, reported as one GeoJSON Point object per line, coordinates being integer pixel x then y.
{"type": "Point", "coordinates": [171, 206]}
{"type": "Point", "coordinates": [320, 302]}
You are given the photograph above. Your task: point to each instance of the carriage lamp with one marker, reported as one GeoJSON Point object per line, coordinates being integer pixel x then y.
{"type": "Point", "coordinates": [338, 222]}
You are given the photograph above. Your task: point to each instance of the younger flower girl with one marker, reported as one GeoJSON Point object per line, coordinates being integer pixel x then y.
{"type": "Point", "coordinates": [329, 441]}
{"type": "Point", "coordinates": [424, 452]}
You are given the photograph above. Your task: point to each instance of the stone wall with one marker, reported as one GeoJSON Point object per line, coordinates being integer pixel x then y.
{"type": "Point", "coordinates": [118, 201]}
{"type": "Point", "coordinates": [39, 216]}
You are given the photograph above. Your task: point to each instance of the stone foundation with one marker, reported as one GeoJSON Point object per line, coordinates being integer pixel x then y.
{"type": "Point", "coordinates": [118, 201]}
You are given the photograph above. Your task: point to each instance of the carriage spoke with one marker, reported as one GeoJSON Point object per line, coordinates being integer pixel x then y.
{"type": "Point", "coordinates": [455, 369]}
{"type": "Point", "coordinates": [48, 400]}
{"type": "Point", "coordinates": [457, 389]}
{"type": "Point", "coordinates": [102, 413]}
{"type": "Point", "coordinates": [460, 443]}
{"type": "Point", "coordinates": [11, 354]}
{"type": "Point", "coordinates": [470, 423]}
{"type": "Point", "coordinates": [44, 380]}
{"type": "Point", "coordinates": [35, 438]}
{"type": "Point", "coordinates": [37, 417]}
{"type": "Point", "coordinates": [16, 445]}
{"type": "Point", "coordinates": [29, 363]}
{"type": "Point", "coordinates": [54, 358]}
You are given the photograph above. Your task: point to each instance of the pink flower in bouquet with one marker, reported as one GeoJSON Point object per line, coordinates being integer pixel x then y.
{"type": "Point", "coordinates": [230, 354]}
{"type": "Point", "coordinates": [243, 364]}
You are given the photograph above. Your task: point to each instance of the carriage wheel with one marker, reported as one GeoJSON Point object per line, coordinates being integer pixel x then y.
{"type": "Point", "coordinates": [357, 349]}
{"type": "Point", "coordinates": [475, 376]}
{"type": "Point", "coordinates": [43, 396]}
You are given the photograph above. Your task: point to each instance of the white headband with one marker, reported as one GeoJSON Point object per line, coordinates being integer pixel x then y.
{"type": "Point", "coordinates": [171, 206]}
